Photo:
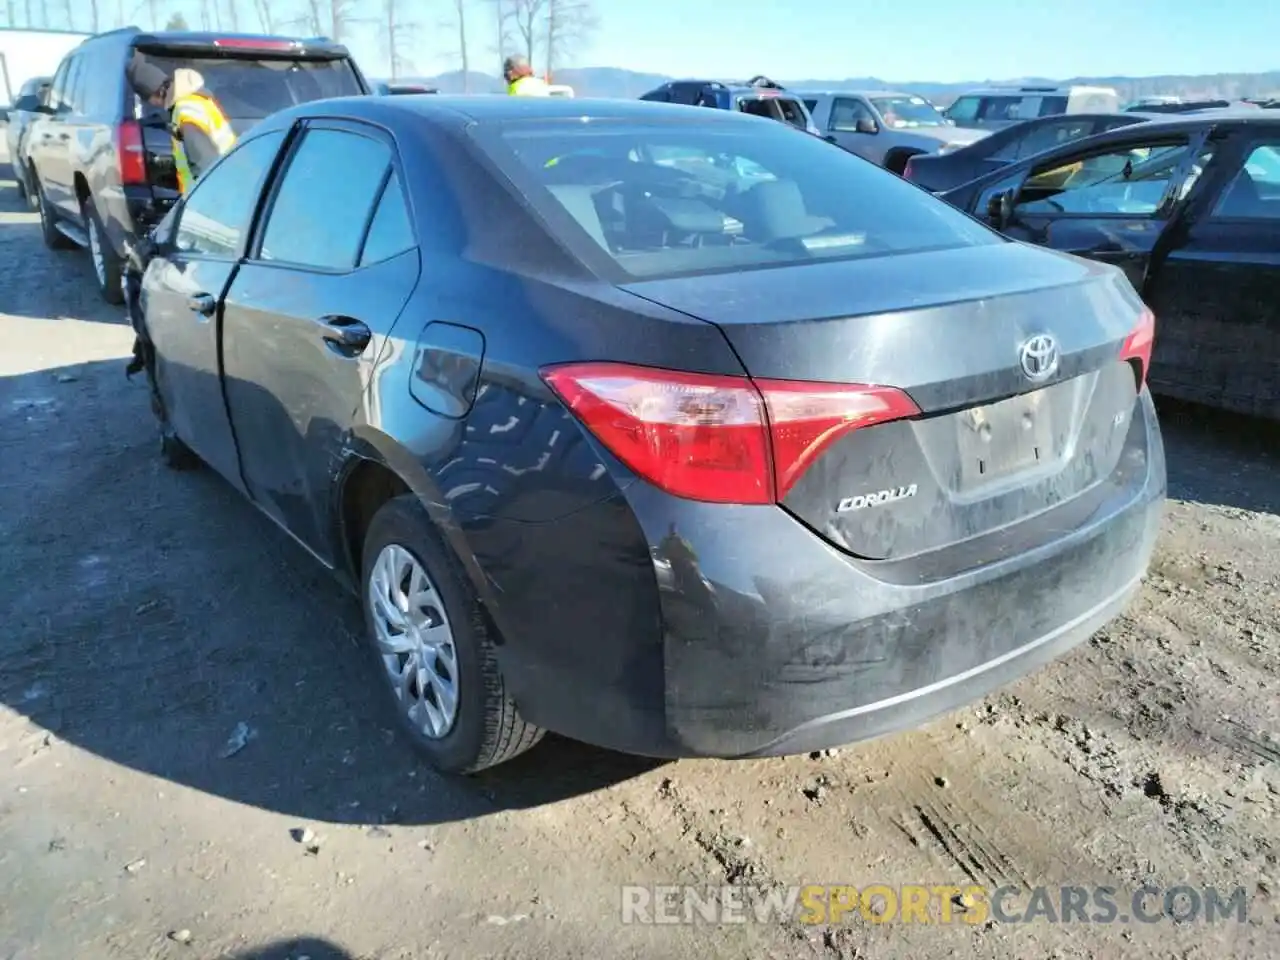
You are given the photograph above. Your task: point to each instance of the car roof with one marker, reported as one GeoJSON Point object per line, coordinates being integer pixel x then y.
{"type": "Point", "coordinates": [135, 36]}
{"type": "Point", "coordinates": [498, 109]}
{"type": "Point", "coordinates": [1029, 90]}
{"type": "Point", "coordinates": [857, 93]}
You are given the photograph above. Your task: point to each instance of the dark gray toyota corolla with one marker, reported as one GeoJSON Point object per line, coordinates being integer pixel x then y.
{"type": "Point", "coordinates": [673, 430]}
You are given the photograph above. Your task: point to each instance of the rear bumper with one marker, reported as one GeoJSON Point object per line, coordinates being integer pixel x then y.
{"type": "Point", "coordinates": [750, 636]}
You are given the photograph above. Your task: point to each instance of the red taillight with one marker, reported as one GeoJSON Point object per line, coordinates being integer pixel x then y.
{"type": "Point", "coordinates": [907, 170]}
{"type": "Point", "coordinates": [1137, 346]}
{"type": "Point", "coordinates": [720, 439]}
{"type": "Point", "coordinates": [131, 153]}
{"type": "Point", "coordinates": [252, 43]}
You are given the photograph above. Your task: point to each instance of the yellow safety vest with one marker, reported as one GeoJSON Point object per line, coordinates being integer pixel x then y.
{"type": "Point", "coordinates": [204, 114]}
{"type": "Point", "coordinates": [528, 87]}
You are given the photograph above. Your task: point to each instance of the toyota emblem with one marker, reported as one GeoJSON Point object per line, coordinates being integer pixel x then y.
{"type": "Point", "coordinates": [1039, 357]}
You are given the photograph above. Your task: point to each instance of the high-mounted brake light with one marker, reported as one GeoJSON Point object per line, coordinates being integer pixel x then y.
{"type": "Point", "coordinates": [719, 439]}
{"type": "Point", "coordinates": [252, 43]}
{"type": "Point", "coordinates": [131, 153]}
{"type": "Point", "coordinates": [1137, 346]}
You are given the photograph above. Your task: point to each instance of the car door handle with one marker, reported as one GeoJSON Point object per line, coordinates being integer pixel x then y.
{"type": "Point", "coordinates": [203, 304]}
{"type": "Point", "coordinates": [344, 335]}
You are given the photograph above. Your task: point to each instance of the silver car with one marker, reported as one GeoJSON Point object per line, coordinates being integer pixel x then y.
{"type": "Point", "coordinates": [885, 127]}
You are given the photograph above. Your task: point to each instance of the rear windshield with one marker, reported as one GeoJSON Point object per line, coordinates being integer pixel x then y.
{"type": "Point", "coordinates": [253, 88]}
{"type": "Point", "coordinates": [672, 199]}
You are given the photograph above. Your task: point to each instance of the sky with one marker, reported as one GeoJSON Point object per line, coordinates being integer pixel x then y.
{"type": "Point", "coordinates": [921, 40]}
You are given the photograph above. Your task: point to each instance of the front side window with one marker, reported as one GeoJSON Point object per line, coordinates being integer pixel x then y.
{"type": "Point", "coordinates": [966, 108]}
{"type": "Point", "coordinates": [846, 112]}
{"type": "Point", "coordinates": [215, 216]}
{"type": "Point", "coordinates": [1125, 181]}
{"type": "Point", "coordinates": [647, 200]}
{"type": "Point", "coordinates": [1254, 193]}
{"type": "Point", "coordinates": [905, 112]}
{"type": "Point", "coordinates": [325, 199]}
{"type": "Point", "coordinates": [1001, 109]}
{"type": "Point", "coordinates": [1052, 106]}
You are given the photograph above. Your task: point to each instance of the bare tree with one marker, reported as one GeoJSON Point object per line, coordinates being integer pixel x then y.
{"type": "Point", "coordinates": [459, 24]}
{"type": "Point", "coordinates": [206, 15]}
{"type": "Point", "coordinates": [569, 25]}
{"type": "Point", "coordinates": [93, 15]}
{"type": "Point", "coordinates": [400, 32]}
{"type": "Point", "coordinates": [503, 14]}
{"type": "Point", "coordinates": [528, 17]}
{"type": "Point", "coordinates": [265, 18]}
{"type": "Point", "coordinates": [342, 17]}
{"type": "Point", "coordinates": [44, 14]}
{"type": "Point", "coordinates": [311, 19]}
{"type": "Point", "coordinates": [233, 15]}
{"type": "Point", "coordinates": [27, 19]}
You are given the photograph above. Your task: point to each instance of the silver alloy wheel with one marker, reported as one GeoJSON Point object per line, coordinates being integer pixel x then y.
{"type": "Point", "coordinates": [414, 640]}
{"type": "Point", "coordinates": [95, 251]}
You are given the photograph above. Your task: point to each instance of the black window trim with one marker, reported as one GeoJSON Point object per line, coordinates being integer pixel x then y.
{"type": "Point", "coordinates": [272, 174]}
{"type": "Point", "coordinates": [1241, 153]}
{"type": "Point", "coordinates": [1194, 141]}
{"type": "Point", "coordinates": [351, 126]}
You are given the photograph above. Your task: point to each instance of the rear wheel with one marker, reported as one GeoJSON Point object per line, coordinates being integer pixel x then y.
{"type": "Point", "coordinates": [107, 267]}
{"type": "Point", "coordinates": [54, 238]}
{"type": "Point", "coordinates": [432, 646]}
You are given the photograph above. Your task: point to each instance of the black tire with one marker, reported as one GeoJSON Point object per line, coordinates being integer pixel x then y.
{"type": "Point", "coordinates": [111, 283]}
{"type": "Point", "coordinates": [54, 238]}
{"type": "Point", "coordinates": [30, 187]}
{"type": "Point", "coordinates": [488, 729]}
{"type": "Point", "coordinates": [175, 454]}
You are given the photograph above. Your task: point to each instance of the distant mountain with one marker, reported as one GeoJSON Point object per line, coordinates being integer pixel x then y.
{"type": "Point", "coordinates": [616, 82]}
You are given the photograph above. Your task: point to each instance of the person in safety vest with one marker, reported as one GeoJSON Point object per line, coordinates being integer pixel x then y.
{"type": "Point", "coordinates": [520, 79]}
{"type": "Point", "coordinates": [201, 131]}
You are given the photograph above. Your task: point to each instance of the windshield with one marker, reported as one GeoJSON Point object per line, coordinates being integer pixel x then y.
{"type": "Point", "coordinates": [249, 89]}
{"type": "Point", "coordinates": [899, 112]}
{"type": "Point", "coordinates": [674, 199]}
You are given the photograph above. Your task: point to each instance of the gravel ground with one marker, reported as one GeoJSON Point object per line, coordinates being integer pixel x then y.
{"type": "Point", "coordinates": [193, 762]}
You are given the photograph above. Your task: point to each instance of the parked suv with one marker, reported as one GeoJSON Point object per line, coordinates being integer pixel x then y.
{"type": "Point", "coordinates": [995, 107]}
{"type": "Point", "coordinates": [759, 95]}
{"type": "Point", "coordinates": [104, 199]}
{"type": "Point", "coordinates": [20, 116]}
{"type": "Point", "coordinates": [884, 127]}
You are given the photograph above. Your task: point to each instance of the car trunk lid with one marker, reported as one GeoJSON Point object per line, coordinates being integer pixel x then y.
{"type": "Point", "coordinates": [1005, 430]}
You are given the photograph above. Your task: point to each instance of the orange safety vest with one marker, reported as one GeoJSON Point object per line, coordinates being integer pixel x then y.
{"type": "Point", "coordinates": [202, 112]}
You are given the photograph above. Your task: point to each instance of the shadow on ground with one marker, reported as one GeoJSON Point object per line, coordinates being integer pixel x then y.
{"type": "Point", "coordinates": [1221, 459]}
{"type": "Point", "coordinates": [305, 947]}
{"type": "Point", "coordinates": [158, 621]}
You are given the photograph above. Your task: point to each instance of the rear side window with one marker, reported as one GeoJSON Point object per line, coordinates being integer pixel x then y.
{"type": "Point", "coordinates": [390, 233]}
{"type": "Point", "coordinates": [1254, 194]}
{"type": "Point", "coordinates": [1000, 109]}
{"type": "Point", "coordinates": [649, 200]}
{"type": "Point", "coordinates": [249, 89]}
{"type": "Point", "coordinates": [325, 200]}
{"type": "Point", "coordinates": [216, 214]}
{"type": "Point", "coordinates": [1052, 106]}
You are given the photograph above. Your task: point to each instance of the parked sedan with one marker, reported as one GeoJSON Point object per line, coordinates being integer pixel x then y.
{"type": "Point", "coordinates": [945, 171]}
{"type": "Point", "coordinates": [1189, 207]}
{"type": "Point", "coordinates": [740, 457]}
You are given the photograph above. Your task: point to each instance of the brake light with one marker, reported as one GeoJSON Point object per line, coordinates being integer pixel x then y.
{"type": "Point", "coordinates": [1137, 346]}
{"type": "Point", "coordinates": [131, 154]}
{"type": "Point", "coordinates": [907, 170]}
{"type": "Point", "coordinates": [718, 439]}
{"type": "Point", "coordinates": [253, 43]}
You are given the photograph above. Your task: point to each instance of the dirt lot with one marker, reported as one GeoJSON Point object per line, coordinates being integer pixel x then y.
{"type": "Point", "coordinates": [182, 697]}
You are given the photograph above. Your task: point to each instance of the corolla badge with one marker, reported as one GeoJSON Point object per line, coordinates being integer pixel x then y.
{"type": "Point", "coordinates": [864, 500]}
{"type": "Point", "coordinates": [1039, 357]}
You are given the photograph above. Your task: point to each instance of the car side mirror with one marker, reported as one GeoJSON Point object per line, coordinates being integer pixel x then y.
{"type": "Point", "coordinates": [867, 126]}
{"type": "Point", "coordinates": [1000, 209]}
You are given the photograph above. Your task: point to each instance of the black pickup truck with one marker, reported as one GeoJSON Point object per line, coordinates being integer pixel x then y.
{"type": "Point", "coordinates": [100, 160]}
